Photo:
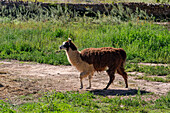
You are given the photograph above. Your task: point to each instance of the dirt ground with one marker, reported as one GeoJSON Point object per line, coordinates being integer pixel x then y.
{"type": "Point", "coordinates": [25, 78]}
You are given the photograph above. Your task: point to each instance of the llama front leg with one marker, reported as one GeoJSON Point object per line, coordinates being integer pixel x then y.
{"type": "Point", "coordinates": [82, 75]}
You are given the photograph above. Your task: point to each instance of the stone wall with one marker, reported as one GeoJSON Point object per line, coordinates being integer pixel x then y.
{"type": "Point", "coordinates": [160, 11]}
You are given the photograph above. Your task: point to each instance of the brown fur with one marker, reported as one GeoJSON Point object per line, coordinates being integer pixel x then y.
{"type": "Point", "coordinates": [102, 57]}
{"type": "Point", "coordinates": [97, 59]}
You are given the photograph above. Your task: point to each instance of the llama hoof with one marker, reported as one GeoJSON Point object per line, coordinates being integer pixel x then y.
{"type": "Point", "coordinates": [105, 89]}
{"type": "Point", "coordinates": [88, 87]}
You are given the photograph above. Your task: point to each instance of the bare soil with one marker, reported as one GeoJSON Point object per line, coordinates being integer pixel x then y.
{"type": "Point", "coordinates": [24, 78]}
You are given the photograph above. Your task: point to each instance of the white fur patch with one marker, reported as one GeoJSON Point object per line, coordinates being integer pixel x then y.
{"type": "Point", "coordinates": [64, 43]}
{"type": "Point", "coordinates": [68, 58]}
{"type": "Point", "coordinates": [69, 39]}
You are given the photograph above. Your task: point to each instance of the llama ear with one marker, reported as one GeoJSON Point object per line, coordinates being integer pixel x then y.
{"type": "Point", "coordinates": [69, 40]}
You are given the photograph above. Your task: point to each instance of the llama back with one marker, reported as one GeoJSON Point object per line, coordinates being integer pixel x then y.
{"type": "Point", "coordinates": [103, 57]}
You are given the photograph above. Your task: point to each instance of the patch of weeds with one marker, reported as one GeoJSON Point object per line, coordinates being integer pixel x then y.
{"type": "Point", "coordinates": [150, 70]}
{"type": "Point", "coordinates": [157, 79]}
{"type": "Point", "coordinates": [22, 62]}
{"type": "Point", "coordinates": [168, 76]}
{"type": "Point", "coordinates": [132, 75]}
{"type": "Point", "coordinates": [163, 102]}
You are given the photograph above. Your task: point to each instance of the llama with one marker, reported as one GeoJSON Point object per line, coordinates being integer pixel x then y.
{"type": "Point", "coordinates": [96, 59]}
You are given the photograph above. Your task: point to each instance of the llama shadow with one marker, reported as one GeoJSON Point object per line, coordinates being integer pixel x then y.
{"type": "Point", "coordinates": [118, 92]}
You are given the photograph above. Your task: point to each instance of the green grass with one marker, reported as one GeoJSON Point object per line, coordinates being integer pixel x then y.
{"type": "Point", "coordinates": [39, 41]}
{"type": "Point", "coordinates": [155, 71]}
{"type": "Point", "coordinates": [149, 70]}
{"type": "Point", "coordinates": [87, 102]}
{"type": "Point", "coordinates": [157, 79]}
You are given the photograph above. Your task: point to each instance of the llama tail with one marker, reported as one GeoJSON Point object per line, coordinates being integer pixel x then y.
{"type": "Point", "coordinates": [123, 55]}
{"type": "Point", "coordinates": [121, 69]}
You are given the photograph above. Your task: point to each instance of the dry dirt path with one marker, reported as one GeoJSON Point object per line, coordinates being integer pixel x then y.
{"type": "Point", "coordinates": [24, 78]}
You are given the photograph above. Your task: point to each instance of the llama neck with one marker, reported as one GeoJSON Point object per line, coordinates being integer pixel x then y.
{"type": "Point", "coordinates": [73, 57]}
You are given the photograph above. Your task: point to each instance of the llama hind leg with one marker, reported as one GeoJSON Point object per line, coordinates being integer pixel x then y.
{"type": "Point", "coordinates": [90, 77]}
{"type": "Point", "coordinates": [89, 82]}
{"type": "Point", "coordinates": [122, 72]}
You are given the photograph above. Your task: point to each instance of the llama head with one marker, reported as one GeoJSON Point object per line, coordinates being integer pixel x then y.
{"type": "Point", "coordinates": [68, 45]}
